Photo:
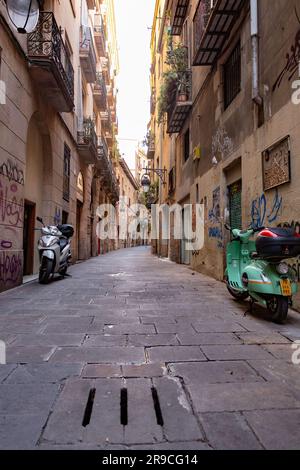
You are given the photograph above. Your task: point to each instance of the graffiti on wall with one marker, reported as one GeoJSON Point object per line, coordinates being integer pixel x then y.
{"type": "Point", "coordinates": [262, 212]}
{"type": "Point", "coordinates": [292, 62]}
{"type": "Point", "coordinates": [222, 144]}
{"type": "Point", "coordinates": [215, 231]}
{"type": "Point", "coordinates": [57, 216]}
{"type": "Point", "coordinates": [292, 225]}
{"type": "Point", "coordinates": [11, 222]}
{"type": "Point", "coordinates": [11, 268]}
{"type": "Point", "coordinates": [12, 172]}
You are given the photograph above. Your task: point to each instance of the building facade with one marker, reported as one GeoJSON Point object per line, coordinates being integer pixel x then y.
{"type": "Point", "coordinates": [227, 126]}
{"type": "Point", "coordinates": [58, 125]}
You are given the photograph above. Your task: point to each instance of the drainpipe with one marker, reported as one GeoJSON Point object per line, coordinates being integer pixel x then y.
{"type": "Point", "coordinates": [255, 59]}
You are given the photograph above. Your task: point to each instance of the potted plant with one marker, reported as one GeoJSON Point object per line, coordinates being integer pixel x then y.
{"type": "Point", "coordinates": [176, 81]}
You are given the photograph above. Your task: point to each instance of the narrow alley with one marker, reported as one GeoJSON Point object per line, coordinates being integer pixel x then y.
{"type": "Point", "coordinates": [136, 352]}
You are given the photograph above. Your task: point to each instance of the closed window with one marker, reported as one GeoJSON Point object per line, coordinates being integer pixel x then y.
{"type": "Point", "coordinates": [186, 145]}
{"type": "Point", "coordinates": [232, 76]}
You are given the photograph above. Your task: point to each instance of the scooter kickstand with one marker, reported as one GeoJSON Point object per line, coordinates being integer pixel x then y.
{"type": "Point", "coordinates": [250, 309]}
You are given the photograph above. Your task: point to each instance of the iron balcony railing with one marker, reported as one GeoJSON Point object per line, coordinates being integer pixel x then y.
{"type": "Point", "coordinates": [87, 54]}
{"type": "Point", "coordinates": [100, 93]}
{"type": "Point", "coordinates": [180, 102]}
{"type": "Point", "coordinates": [201, 19]}
{"type": "Point", "coordinates": [88, 136]}
{"type": "Point", "coordinates": [178, 15]}
{"type": "Point", "coordinates": [45, 43]}
{"type": "Point", "coordinates": [102, 149]}
{"type": "Point", "coordinates": [212, 24]}
{"type": "Point", "coordinates": [99, 35]}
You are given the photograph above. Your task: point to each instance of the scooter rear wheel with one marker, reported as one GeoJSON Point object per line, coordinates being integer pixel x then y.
{"type": "Point", "coordinates": [278, 306]}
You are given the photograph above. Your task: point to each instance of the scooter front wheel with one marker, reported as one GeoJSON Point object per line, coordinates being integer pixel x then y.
{"type": "Point", "coordinates": [235, 293]}
{"type": "Point", "coordinates": [278, 306]}
{"type": "Point", "coordinates": [45, 271]}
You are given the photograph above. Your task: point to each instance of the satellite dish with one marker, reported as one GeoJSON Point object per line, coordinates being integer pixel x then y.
{"type": "Point", "coordinates": [24, 14]}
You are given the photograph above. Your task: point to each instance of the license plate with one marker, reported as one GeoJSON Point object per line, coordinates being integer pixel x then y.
{"type": "Point", "coordinates": [286, 287]}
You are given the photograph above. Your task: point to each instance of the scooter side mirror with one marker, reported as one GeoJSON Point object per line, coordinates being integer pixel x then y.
{"type": "Point", "coordinates": [39, 219]}
{"type": "Point", "coordinates": [227, 227]}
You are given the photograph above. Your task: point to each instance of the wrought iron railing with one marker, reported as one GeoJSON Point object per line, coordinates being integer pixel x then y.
{"type": "Point", "coordinates": [46, 43]}
{"type": "Point", "coordinates": [86, 43]}
{"type": "Point", "coordinates": [100, 85]}
{"type": "Point", "coordinates": [102, 149]}
{"type": "Point", "coordinates": [88, 135]}
{"type": "Point", "coordinates": [182, 92]}
{"type": "Point", "coordinates": [201, 18]}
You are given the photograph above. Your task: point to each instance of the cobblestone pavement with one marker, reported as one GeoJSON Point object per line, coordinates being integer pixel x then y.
{"type": "Point", "coordinates": [137, 352]}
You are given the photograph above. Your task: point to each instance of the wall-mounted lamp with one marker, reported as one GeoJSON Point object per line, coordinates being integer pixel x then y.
{"type": "Point", "coordinates": [23, 14]}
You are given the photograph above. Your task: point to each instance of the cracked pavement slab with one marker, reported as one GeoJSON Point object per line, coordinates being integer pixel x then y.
{"type": "Point", "coordinates": [134, 353]}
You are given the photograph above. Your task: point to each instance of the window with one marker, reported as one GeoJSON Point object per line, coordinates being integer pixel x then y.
{"type": "Point", "coordinates": [66, 174]}
{"type": "Point", "coordinates": [232, 76]}
{"type": "Point", "coordinates": [65, 217]}
{"type": "Point", "coordinates": [186, 145]}
{"type": "Point", "coordinates": [197, 193]}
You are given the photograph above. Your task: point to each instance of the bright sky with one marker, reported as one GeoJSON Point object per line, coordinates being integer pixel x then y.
{"type": "Point", "coordinates": [133, 17]}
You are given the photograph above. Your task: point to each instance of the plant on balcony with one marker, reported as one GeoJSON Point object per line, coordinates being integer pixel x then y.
{"type": "Point", "coordinates": [175, 80]}
{"type": "Point", "coordinates": [149, 139]}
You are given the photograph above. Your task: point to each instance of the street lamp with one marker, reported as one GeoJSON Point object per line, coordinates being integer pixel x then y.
{"type": "Point", "coordinates": [146, 183]}
{"type": "Point", "coordinates": [161, 173]}
{"type": "Point", "coordinates": [24, 14]}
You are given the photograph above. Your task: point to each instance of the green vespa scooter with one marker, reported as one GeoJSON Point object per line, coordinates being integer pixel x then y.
{"type": "Point", "coordinates": [257, 268]}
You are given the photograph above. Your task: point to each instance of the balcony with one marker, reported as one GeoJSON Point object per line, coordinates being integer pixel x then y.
{"type": "Point", "coordinates": [180, 103]}
{"type": "Point", "coordinates": [87, 55]}
{"type": "Point", "coordinates": [50, 65]}
{"type": "Point", "coordinates": [105, 67]}
{"type": "Point", "coordinates": [87, 142]}
{"type": "Point", "coordinates": [99, 35]}
{"type": "Point", "coordinates": [105, 170]}
{"type": "Point", "coordinates": [178, 15]}
{"type": "Point", "coordinates": [110, 95]}
{"type": "Point", "coordinates": [213, 23]}
{"type": "Point", "coordinates": [151, 146]}
{"type": "Point", "coordinates": [153, 101]}
{"type": "Point", "coordinates": [99, 92]}
{"type": "Point", "coordinates": [106, 121]}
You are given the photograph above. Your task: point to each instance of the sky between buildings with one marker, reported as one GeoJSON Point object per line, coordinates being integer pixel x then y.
{"type": "Point", "coordinates": [133, 18]}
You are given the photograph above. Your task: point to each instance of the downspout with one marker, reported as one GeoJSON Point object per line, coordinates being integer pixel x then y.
{"type": "Point", "coordinates": [255, 55]}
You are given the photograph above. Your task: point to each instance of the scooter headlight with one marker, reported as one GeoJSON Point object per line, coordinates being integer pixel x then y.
{"type": "Point", "coordinates": [282, 268]}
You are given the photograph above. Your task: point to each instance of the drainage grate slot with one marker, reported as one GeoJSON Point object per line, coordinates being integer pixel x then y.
{"type": "Point", "coordinates": [89, 408]}
{"type": "Point", "coordinates": [124, 406]}
{"type": "Point", "coordinates": [157, 407]}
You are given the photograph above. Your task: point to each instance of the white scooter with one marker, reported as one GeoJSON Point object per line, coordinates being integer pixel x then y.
{"type": "Point", "coordinates": [55, 250]}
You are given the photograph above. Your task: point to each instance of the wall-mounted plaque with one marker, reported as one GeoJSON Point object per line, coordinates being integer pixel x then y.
{"type": "Point", "coordinates": [276, 164]}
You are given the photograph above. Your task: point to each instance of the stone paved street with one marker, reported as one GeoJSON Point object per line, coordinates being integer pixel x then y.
{"type": "Point", "coordinates": [136, 352]}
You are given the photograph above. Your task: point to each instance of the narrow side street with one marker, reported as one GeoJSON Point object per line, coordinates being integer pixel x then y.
{"type": "Point", "coordinates": [136, 352]}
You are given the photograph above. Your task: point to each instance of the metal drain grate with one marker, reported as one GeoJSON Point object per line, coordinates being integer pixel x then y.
{"type": "Point", "coordinates": [123, 407]}
{"type": "Point", "coordinates": [157, 408]}
{"type": "Point", "coordinates": [89, 408]}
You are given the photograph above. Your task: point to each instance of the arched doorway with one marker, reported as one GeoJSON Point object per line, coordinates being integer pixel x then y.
{"type": "Point", "coordinates": [37, 189]}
